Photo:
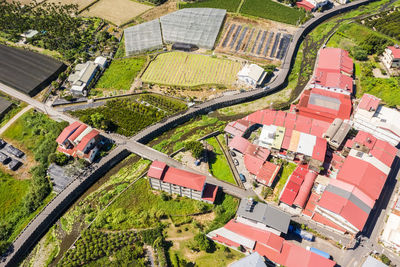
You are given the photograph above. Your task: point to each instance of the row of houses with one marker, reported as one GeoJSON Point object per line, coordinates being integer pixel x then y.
{"type": "Point", "coordinates": [257, 229]}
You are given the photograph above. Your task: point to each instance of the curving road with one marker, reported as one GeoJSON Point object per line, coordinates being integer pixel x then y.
{"type": "Point", "coordinates": [42, 222]}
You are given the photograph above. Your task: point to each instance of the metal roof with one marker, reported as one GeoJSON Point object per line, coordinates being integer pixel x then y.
{"type": "Point", "coordinates": [197, 26]}
{"type": "Point", "coordinates": [324, 101]}
{"type": "Point", "coordinates": [265, 214]}
{"type": "Point", "coordinates": [348, 195]}
{"type": "Point", "coordinates": [143, 37]}
{"type": "Point", "coordinates": [253, 260]}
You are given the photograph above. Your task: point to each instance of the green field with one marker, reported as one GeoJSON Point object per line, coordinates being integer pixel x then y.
{"type": "Point", "coordinates": [128, 116]}
{"type": "Point", "coordinates": [229, 5]}
{"type": "Point", "coordinates": [12, 192]}
{"type": "Point", "coordinates": [218, 164]}
{"type": "Point", "coordinates": [269, 9]}
{"type": "Point", "coordinates": [184, 69]}
{"type": "Point", "coordinates": [139, 207]}
{"type": "Point", "coordinates": [121, 73]}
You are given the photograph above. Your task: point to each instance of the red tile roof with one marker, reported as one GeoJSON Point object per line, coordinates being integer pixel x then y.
{"type": "Point", "coordinates": [238, 128]}
{"type": "Point", "coordinates": [306, 5]}
{"type": "Point", "coordinates": [335, 60]}
{"type": "Point", "coordinates": [289, 192]}
{"type": "Point", "coordinates": [225, 241]}
{"type": "Point", "coordinates": [333, 80]}
{"type": "Point", "coordinates": [293, 185]}
{"type": "Point", "coordinates": [365, 176]}
{"type": "Point", "coordinates": [395, 51]}
{"type": "Point", "coordinates": [184, 179]}
{"type": "Point", "coordinates": [384, 152]}
{"type": "Point", "coordinates": [305, 189]}
{"type": "Point", "coordinates": [345, 208]}
{"type": "Point", "coordinates": [210, 192]}
{"type": "Point", "coordinates": [77, 132]}
{"type": "Point", "coordinates": [321, 219]}
{"type": "Point", "coordinates": [258, 152]}
{"type": "Point", "coordinates": [267, 174]}
{"type": "Point", "coordinates": [67, 132]}
{"type": "Point", "coordinates": [369, 102]}
{"type": "Point", "coordinates": [319, 151]}
{"type": "Point", "coordinates": [86, 139]}
{"type": "Point", "coordinates": [365, 139]}
{"type": "Point", "coordinates": [319, 111]}
{"type": "Point", "coordinates": [252, 163]}
{"type": "Point", "coordinates": [157, 169]}
{"type": "Point", "coordinates": [239, 143]}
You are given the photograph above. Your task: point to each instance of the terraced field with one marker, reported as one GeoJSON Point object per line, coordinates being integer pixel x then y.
{"type": "Point", "coordinates": [184, 69]}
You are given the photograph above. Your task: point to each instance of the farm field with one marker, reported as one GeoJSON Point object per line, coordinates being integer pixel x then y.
{"type": "Point", "coordinates": [120, 74]}
{"type": "Point", "coordinates": [116, 11]}
{"type": "Point", "coordinates": [128, 116]}
{"type": "Point", "coordinates": [184, 69]}
{"type": "Point", "coordinates": [81, 3]}
{"type": "Point", "coordinates": [229, 5]}
{"type": "Point", "coordinates": [269, 9]}
{"type": "Point", "coordinates": [12, 192]}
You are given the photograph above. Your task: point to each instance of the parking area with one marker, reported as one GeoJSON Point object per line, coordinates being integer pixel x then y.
{"type": "Point", "coordinates": [11, 156]}
{"type": "Point", "coordinates": [240, 167]}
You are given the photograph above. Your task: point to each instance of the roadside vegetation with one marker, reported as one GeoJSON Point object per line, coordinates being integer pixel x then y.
{"type": "Point", "coordinates": [229, 5]}
{"type": "Point", "coordinates": [121, 73]}
{"type": "Point", "coordinates": [128, 116]}
{"type": "Point", "coordinates": [36, 133]}
{"type": "Point", "coordinates": [218, 163]}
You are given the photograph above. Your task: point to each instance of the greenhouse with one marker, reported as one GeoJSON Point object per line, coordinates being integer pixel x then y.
{"type": "Point", "coordinates": [143, 37]}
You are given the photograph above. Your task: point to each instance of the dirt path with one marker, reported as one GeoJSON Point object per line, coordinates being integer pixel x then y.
{"type": "Point", "coordinates": [13, 119]}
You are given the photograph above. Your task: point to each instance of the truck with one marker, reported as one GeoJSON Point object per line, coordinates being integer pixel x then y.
{"type": "Point", "coordinates": [319, 252]}
{"type": "Point", "coordinates": [300, 232]}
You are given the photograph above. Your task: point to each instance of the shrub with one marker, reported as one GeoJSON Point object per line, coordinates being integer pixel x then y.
{"type": "Point", "coordinates": [203, 243]}
{"type": "Point", "coordinates": [359, 53]}
{"type": "Point", "coordinates": [195, 147]}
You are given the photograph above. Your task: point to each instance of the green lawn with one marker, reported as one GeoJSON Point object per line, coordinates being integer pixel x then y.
{"type": "Point", "coordinates": [121, 73]}
{"type": "Point", "coordinates": [12, 192]}
{"type": "Point", "coordinates": [218, 164]}
{"type": "Point", "coordinates": [139, 207]}
{"type": "Point", "coordinates": [269, 9]}
{"type": "Point", "coordinates": [287, 170]}
{"type": "Point", "coordinates": [229, 5]}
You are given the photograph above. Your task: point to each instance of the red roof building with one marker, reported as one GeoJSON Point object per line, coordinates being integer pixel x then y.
{"type": "Point", "coordinates": [369, 102]}
{"type": "Point", "coordinates": [269, 245]}
{"type": "Point", "coordinates": [306, 5]}
{"type": "Point", "coordinates": [333, 81]}
{"type": "Point", "coordinates": [395, 51]}
{"type": "Point", "coordinates": [364, 139]}
{"type": "Point", "coordinates": [324, 105]}
{"type": "Point", "coordinates": [184, 183]}
{"type": "Point", "coordinates": [67, 132]}
{"type": "Point", "coordinates": [267, 174]}
{"type": "Point", "coordinates": [85, 148]}
{"type": "Point", "coordinates": [335, 60]}
{"type": "Point", "coordinates": [239, 143]}
{"type": "Point", "coordinates": [238, 128]}
{"type": "Point", "coordinates": [305, 190]}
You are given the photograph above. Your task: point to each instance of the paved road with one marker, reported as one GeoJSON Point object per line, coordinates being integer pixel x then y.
{"type": "Point", "coordinates": [13, 119]}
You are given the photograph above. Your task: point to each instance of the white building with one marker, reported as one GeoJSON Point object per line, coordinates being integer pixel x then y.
{"type": "Point", "coordinates": [83, 75]}
{"type": "Point", "coordinates": [252, 75]}
{"type": "Point", "coordinates": [380, 121]}
{"type": "Point", "coordinates": [391, 234]}
{"type": "Point", "coordinates": [391, 57]}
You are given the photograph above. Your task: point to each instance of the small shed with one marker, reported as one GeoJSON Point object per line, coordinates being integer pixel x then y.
{"type": "Point", "coordinates": [184, 47]}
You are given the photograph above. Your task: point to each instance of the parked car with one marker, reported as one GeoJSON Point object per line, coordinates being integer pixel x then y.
{"type": "Point", "coordinates": [242, 178]}
{"type": "Point", "coordinates": [236, 162]}
{"type": "Point", "coordinates": [233, 154]}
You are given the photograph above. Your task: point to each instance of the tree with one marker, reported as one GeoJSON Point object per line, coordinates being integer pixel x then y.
{"type": "Point", "coordinates": [203, 242]}
{"type": "Point", "coordinates": [196, 148]}
{"type": "Point", "coordinates": [359, 53]}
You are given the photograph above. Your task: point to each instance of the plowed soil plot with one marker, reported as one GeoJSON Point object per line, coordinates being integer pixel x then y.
{"type": "Point", "coordinates": [252, 39]}
{"type": "Point", "coordinates": [116, 11]}
{"type": "Point", "coordinates": [185, 69]}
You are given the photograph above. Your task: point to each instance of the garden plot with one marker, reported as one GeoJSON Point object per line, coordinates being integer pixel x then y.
{"type": "Point", "coordinates": [257, 40]}
{"type": "Point", "coordinates": [185, 69]}
{"type": "Point", "coordinates": [116, 11]}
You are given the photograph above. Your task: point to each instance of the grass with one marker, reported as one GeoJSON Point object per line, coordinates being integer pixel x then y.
{"type": "Point", "coordinates": [229, 5]}
{"type": "Point", "coordinates": [287, 170]}
{"type": "Point", "coordinates": [128, 116]}
{"type": "Point", "coordinates": [121, 73]}
{"type": "Point", "coordinates": [185, 69]}
{"type": "Point", "coordinates": [12, 192]}
{"type": "Point", "coordinates": [190, 131]}
{"type": "Point", "coordinates": [218, 164]}
{"type": "Point", "coordinates": [139, 207]}
{"type": "Point", "coordinates": [269, 9]}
